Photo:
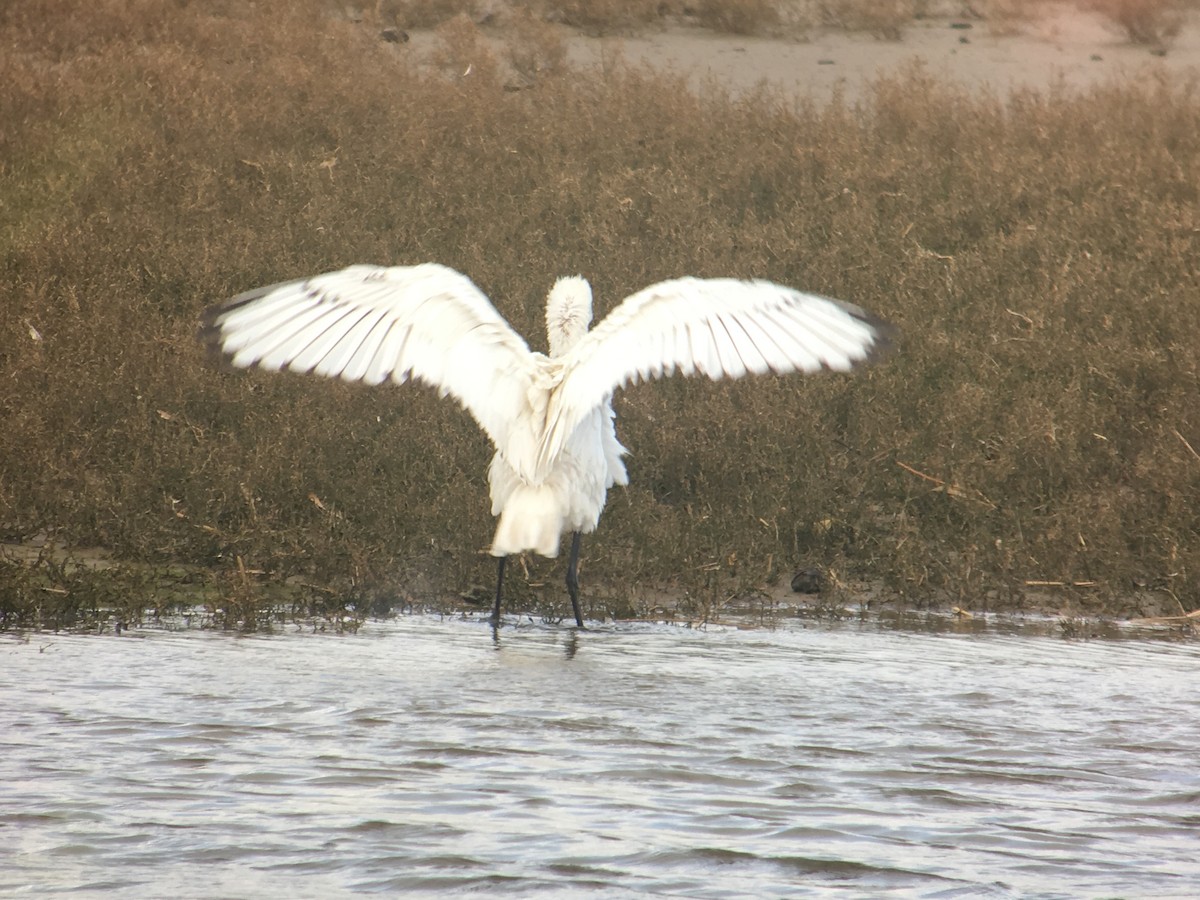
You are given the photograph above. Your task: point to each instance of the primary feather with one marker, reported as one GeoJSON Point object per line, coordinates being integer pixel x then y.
{"type": "Point", "coordinates": [549, 417]}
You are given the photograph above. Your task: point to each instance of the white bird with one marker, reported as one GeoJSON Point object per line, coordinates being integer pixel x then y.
{"type": "Point", "coordinates": [549, 417]}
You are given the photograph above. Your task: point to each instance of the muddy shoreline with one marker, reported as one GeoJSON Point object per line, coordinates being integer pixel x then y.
{"type": "Point", "coordinates": [87, 589]}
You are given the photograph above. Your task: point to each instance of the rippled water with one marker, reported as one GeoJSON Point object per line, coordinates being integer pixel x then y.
{"type": "Point", "coordinates": [418, 756]}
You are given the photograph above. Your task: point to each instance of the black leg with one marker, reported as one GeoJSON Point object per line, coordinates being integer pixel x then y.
{"type": "Point", "coordinates": [499, 586]}
{"type": "Point", "coordinates": [573, 577]}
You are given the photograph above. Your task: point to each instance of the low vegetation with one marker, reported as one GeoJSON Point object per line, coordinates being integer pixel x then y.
{"type": "Point", "coordinates": [1153, 22]}
{"type": "Point", "coordinates": [1038, 430]}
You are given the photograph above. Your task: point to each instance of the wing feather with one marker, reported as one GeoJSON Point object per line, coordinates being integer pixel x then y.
{"type": "Point", "coordinates": [722, 328]}
{"type": "Point", "coordinates": [278, 340]}
{"type": "Point", "coordinates": [318, 340]}
{"type": "Point", "coordinates": [730, 359]}
{"type": "Point", "coordinates": [360, 362]}
{"type": "Point", "coordinates": [797, 349]}
{"type": "Point", "coordinates": [681, 352]}
{"type": "Point", "coordinates": [765, 344]}
{"type": "Point", "coordinates": [756, 345]}
{"type": "Point", "coordinates": [333, 365]}
{"type": "Point", "coordinates": [841, 339]}
{"type": "Point", "coordinates": [373, 324]}
{"type": "Point", "coordinates": [251, 331]}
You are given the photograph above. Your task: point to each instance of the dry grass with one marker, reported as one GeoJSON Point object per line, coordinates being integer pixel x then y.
{"type": "Point", "coordinates": [1039, 253]}
{"type": "Point", "coordinates": [1152, 22]}
{"type": "Point", "coordinates": [737, 16]}
{"type": "Point", "coordinates": [1010, 17]}
{"type": "Point", "coordinates": [600, 16]}
{"type": "Point", "coordinates": [885, 19]}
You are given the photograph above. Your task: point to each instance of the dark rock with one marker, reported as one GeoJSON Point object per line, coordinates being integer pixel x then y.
{"type": "Point", "coordinates": [808, 581]}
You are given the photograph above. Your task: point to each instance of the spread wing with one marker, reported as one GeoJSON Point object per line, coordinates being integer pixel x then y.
{"type": "Point", "coordinates": [722, 328]}
{"type": "Point", "coordinates": [374, 324]}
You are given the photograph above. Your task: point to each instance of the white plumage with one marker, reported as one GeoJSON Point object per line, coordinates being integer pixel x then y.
{"type": "Point", "coordinates": [549, 417]}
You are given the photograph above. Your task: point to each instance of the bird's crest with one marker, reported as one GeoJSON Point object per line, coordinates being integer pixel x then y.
{"type": "Point", "coordinates": [568, 313]}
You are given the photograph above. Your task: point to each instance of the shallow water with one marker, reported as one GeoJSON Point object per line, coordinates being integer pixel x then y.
{"type": "Point", "coordinates": [418, 755]}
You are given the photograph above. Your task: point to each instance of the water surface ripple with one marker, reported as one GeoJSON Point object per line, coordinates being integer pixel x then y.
{"type": "Point", "coordinates": [419, 756]}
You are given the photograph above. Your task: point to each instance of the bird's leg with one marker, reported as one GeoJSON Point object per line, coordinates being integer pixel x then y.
{"type": "Point", "coordinates": [573, 576]}
{"type": "Point", "coordinates": [499, 586]}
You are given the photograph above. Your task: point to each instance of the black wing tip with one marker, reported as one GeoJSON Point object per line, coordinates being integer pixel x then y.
{"type": "Point", "coordinates": [887, 337]}
{"type": "Point", "coordinates": [210, 331]}
{"type": "Point", "coordinates": [209, 334]}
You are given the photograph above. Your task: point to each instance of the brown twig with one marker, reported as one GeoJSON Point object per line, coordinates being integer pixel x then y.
{"type": "Point", "coordinates": [1191, 449]}
{"type": "Point", "coordinates": [1031, 583]}
{"type": "Point", "coordinates": [950, 489]}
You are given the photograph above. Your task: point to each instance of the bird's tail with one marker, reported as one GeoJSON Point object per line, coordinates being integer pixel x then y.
{"type": "Point", "coordinates": [532, 519]}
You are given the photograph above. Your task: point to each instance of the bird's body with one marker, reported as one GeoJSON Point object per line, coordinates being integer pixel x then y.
{"type": "Point", "coordinates": [569, 493]}
{"type": "Point", "coordinates": [534, 516]}
{"type": "Point", "coordinates": [550, 417]}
